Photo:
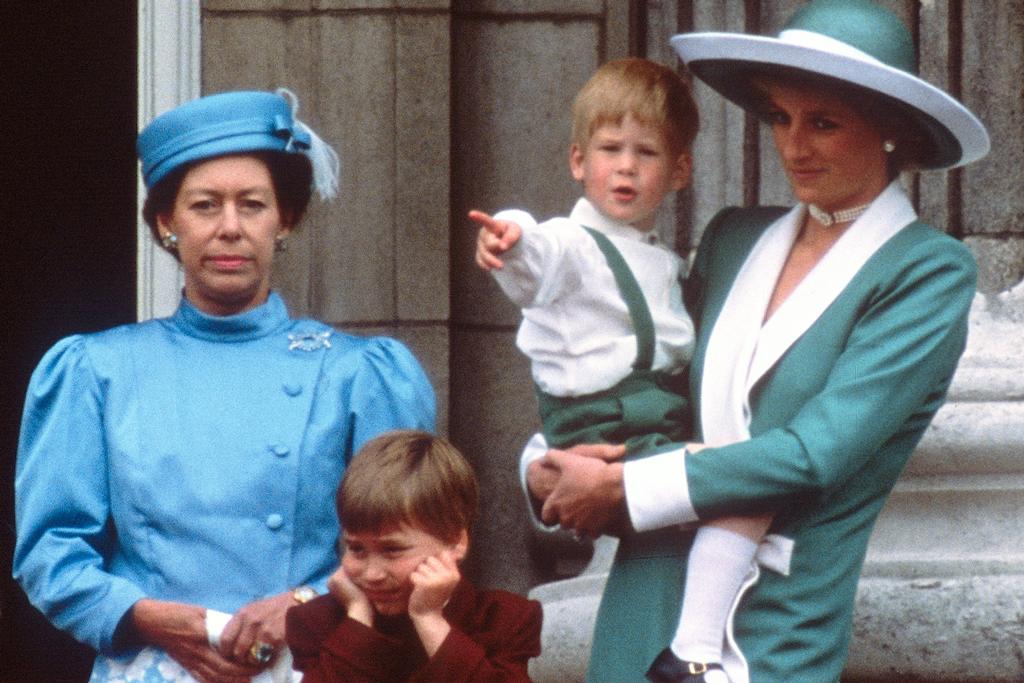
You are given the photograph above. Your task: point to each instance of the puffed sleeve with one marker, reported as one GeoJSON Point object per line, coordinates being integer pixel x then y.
{"type": "Point", "coordinates": [62, 504]}
{"type": "Point", "coordinates": [390, 391]}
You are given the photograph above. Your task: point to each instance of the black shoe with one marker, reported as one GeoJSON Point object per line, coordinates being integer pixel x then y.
{"type": "Point", "coordinates": [667, 668]}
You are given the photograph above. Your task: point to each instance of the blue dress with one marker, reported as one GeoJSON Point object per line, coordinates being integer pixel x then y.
{"type": "Point", "coordinates": [195, 459]}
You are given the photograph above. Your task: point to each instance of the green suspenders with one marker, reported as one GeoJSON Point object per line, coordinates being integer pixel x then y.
{"type": "Point", "coordinates": [629, 288]}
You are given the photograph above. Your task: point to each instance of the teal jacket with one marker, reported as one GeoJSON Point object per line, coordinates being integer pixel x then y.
{"type": "Point", "coordinates": [833, 423]}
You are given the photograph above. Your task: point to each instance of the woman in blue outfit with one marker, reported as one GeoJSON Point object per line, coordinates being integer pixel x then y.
{"type": "Point", "coordinates": [175, 477]}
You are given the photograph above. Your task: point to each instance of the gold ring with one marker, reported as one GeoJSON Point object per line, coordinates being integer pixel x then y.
{"type": "Point", "coordinates": [261, 652]}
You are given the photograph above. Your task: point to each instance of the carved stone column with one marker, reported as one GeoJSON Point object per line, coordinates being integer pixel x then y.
{"type": "Point", "coordinates": [943, 589]}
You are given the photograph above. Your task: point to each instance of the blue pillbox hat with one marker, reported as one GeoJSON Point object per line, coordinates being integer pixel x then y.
{"type": "Point", "coordinates": [232, 123]}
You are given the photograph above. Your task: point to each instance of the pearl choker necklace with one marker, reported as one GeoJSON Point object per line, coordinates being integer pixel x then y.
{"type": "Point", "coordinates": [841, 216]}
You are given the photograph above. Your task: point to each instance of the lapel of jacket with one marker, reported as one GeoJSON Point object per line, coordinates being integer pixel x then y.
{"type": "Point", "coordinates": [734, 337]}
{"type": "Point", "coordinates": [889, 213]}
{"type": "Point", "coordinates": [740, 351]}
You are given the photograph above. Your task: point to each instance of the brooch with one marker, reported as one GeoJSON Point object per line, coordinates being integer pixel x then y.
{"type": "Point", "coordinates": [309, 341]}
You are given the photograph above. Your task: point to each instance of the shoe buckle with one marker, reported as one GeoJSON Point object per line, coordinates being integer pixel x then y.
{"type": "Point", "coordinates": [696, 667]}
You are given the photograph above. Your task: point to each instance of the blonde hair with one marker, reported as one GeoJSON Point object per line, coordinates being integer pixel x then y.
{"type": "Point", "coordinates": [408, 477]}
{"type": "Point", "coordinates": [653, 94]}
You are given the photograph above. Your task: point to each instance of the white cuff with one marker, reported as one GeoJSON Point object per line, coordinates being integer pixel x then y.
{"type": "Point", "coordinates": [535, 449]}
{"type": "Point", "coordinates": [215, 623]}
{"type": "Point", "coordinates": [657, 493]}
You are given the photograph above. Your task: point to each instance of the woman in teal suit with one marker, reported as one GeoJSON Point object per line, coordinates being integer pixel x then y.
{"type": "Point", "coordinates": [175, 479]}
{"type": "Point", "coordinates": [828, 336]}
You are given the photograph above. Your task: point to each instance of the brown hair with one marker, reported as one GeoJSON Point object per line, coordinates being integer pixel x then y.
{"type": "Point", "coordinates": [892, 119]}
{"type": "Point", "coordinates": [290, 174]}
{"type": "Point", "coordinates": [409, 477]}
{"type": "Point", "coordinates": [652, 93]}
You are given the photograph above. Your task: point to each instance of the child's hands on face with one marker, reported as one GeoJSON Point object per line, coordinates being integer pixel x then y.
{"type": "Point", "coordinates": [495, 238]}
{"type": "Point", "coordinates": [433, 583]}
{"type": "Point", "coordinates": [348, 595]}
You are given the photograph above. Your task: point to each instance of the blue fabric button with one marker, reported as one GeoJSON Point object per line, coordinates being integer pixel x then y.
{"type": "Point", "coordinates": [292, 389]}
{"type": "Point", "coordinates": [280, 450]}
{"type": "Point", "coordinates": [274, 521]}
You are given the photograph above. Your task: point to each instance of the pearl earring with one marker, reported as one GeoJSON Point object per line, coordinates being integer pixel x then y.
{"type": "Point", "coordinates": [889, 146]}
{"type": "Point", "coordinates": [170, 241]}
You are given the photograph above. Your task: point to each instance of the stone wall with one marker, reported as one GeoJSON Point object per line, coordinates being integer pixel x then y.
{"type": "Point", "coordinates": [438, 106]}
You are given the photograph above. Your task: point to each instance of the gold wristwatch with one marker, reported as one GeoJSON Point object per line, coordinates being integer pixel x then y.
{"type": "Point", "coordinates": [303, 594]}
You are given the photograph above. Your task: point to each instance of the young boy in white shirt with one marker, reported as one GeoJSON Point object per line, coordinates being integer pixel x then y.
{"type": "Point", "coordinates": [604, 324]}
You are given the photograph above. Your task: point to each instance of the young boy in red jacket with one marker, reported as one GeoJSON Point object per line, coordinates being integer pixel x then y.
{"type": "Point", "coordinates": [398, 608]}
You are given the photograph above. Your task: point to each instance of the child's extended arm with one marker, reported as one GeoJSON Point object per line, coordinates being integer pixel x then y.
{"type": "Point", "coordinates": [495, 238]}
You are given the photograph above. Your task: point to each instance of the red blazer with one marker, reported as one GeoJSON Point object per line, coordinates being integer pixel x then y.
{"type": "Point", "coordinates": [494, 634]}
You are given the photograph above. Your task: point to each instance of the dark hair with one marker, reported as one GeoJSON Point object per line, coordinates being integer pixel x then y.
{"type": "Point", "coordinates": [408, 477]}
{"type": "Point", "coordinates": [892, 119]}
{"type": "Point", "coordinates": [290, 174]}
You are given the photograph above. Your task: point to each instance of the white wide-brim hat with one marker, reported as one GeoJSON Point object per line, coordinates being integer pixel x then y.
{"type": "Point", "coordinates": [853, 41]}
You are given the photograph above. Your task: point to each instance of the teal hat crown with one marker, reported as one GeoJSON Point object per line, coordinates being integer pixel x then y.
{"type": "Point", "coordinates": [867, 26]}
{"type": "Point", "coordinates": [232, 123]}
{"type": "Point", "coordinates": [855, 43]}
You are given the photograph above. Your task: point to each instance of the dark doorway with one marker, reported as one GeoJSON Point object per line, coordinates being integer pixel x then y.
{"type": "Point", "coordinates": [68, 240]}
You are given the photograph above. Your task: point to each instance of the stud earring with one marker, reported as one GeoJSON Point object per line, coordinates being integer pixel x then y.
{"type": "Point", "coordinates": [280, 244]}
{"type": "Point", "coordinates": [170, 241]}
{"type": "Point", "coordinates": [889, 146]}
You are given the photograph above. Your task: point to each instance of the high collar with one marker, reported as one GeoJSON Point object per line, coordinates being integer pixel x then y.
{"type": "Point", "coordinates": [252, 324]}
{"type": "Point", "coordinates": [588, 215]}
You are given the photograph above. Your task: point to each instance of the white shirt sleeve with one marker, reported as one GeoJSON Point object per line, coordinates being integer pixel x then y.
{"type": "Point", "coordinates": [535, 449]}
{"type": "Point", "coordinates": [657, 493]}
{"type": "Point", "coordinates": [534, 271]}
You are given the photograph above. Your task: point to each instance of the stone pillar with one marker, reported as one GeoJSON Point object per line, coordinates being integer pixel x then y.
{"type": "Point", "coordinates": [942, 592]}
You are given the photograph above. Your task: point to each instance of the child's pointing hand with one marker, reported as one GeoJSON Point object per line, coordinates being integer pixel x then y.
{"type": "Point", "coordinates": [495, 238]}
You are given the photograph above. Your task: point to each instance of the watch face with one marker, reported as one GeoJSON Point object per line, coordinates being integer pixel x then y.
{"type": "Point", "coordinates": [303, 594]}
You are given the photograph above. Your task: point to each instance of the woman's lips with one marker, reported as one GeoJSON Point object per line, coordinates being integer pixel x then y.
{"type": "Point", "coordinates": [228, 262]}
{"type": "Point", "coordinates": [804, 174]}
